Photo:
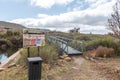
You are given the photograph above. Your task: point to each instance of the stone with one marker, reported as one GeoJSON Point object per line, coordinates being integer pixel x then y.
{"type": "Point", "coordinates": [67, 59]}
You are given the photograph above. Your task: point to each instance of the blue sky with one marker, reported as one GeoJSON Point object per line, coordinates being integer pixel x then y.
{"type": "Point", "coordinates": [13, 9]}
{"type": "Point", "coordinates": [61, 15]}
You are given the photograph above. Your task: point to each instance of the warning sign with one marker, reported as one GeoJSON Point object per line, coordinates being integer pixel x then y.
{"type": "Point", "coordinates": [33, 37]}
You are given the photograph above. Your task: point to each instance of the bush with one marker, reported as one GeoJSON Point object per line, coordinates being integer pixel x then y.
{"type": "Point", "coordinates": [104, 52]}
{"type": "Point", "coordinates": [12, 39]}
{"type": "Point", "coordinates": [3, 47]}
{"type": "Point", "coordinates": [84, 38]}
{"type": "Point", "coordinates": [106, 42]}
{"type": "Point", "coordinates": [5, 44]}
{"type": "Point", "coordinates": [23, 58]}
{"type": "Point", "coordinates": [118, 51]}
{"type": "Point", "coordinates": [17, 41]}
{"type": "Point", "coordinates": [99, 52]}
{"type": "Point", "coordinates": [9, 33]}
{"type": "Point", "coordinates": [48, 53]}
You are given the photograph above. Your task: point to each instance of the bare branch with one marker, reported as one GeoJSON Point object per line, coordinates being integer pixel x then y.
{"type": "Point", "coordinates": [114, 20]}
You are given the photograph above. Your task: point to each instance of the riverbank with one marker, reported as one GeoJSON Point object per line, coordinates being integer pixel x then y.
{"type": "Point", "coordinates": [11, 60]}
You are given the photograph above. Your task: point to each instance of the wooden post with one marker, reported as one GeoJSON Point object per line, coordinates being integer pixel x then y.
{"type": "Point", "coordinates": [67, 47]}
{"type": "Point", "coordinates": [38, 50]}
{"type": "Point", "coordinates": [28, 49]}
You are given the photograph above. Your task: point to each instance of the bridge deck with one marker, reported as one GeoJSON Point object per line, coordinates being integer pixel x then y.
{"type": "Point", "coordinates": [71, 51]}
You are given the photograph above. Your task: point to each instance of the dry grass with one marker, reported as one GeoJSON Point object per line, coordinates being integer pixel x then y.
{"type": "Point", "coordinates": [109, 67]}
{"type": "Point", "coordinates": [20, 72]}
{"type": "Point", "coordinates": [50, 67]}
{"type": "Point", "coordinates": [99, 52]}
{"type": "Point", "coordinates": [104, 52]}
{"type": "Point", "coordinates": [14, 73]}
{"type": "Point", "coordinates": [62, 70]}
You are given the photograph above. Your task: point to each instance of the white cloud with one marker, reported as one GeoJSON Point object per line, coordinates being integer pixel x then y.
{"type": "Point", "coordinates": [19, 1]}
{"type": "Point", "coordinates": [49, 3]}
{"type": "Point", "coordinates": [91, 1]}
{"type": "Point", "coordinates": [92, 19]}
{"type": "Point", "coordinates": [42, 15]}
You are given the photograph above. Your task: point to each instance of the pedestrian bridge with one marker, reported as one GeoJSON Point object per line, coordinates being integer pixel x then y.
{"type": "Point", "coordinates": [66, 45]}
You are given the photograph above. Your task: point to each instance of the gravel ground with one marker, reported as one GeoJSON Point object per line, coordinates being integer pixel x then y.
{"type": "Point", "coordinates": [83, 69]}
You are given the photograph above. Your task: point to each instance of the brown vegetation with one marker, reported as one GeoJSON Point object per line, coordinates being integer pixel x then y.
{"type": "Point", "coordinates": [104, 52]}
{"type": "Point", "coordinates": [99, 52]}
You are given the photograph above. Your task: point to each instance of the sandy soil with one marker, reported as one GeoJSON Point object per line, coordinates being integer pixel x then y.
{"type": "Point", "coordinates": [87, 70]}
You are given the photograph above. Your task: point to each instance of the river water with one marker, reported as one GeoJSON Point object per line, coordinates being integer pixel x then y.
{"type": "Point", "coordinates": [3, 56]}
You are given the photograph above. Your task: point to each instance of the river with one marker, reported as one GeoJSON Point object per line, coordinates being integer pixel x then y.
{"type": "Point", "coordinates": [4, 55]}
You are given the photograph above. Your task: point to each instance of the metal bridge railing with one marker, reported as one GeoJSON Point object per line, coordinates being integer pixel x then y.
{"type": "Point", "coordinates": [65, 42]}
{"type": "Point", "coordinates": [79, 45]}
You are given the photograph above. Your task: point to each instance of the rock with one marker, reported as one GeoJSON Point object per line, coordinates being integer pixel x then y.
{"type": "Point", "coordinates": [61, 57]}
{"type": "Point", "coordinates": [17, 65]}
{"type": "Point", "coordinates": [75, 68]}
{"type": "Point", "coordinates": [67, 59]}
{"type": "Point", "coordinates": [65, 56]}
{"type": "Point", "coordinates": [11, 65]}
{"type": "Point", "coordinates": [93, 60]}
{"type": "Point", "coordinates": [1, 69]}
{"type": "Point", "coordinates": [86, 57]}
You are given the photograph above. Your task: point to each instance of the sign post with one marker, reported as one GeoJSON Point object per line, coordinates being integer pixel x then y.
{"type": "Point", "coordinates": [33, 37]}
{"type": "Point", "coordinates": [28, 49]}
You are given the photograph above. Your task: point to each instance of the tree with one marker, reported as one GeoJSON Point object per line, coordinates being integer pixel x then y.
{"type": "Point", "coordinates": [75, 30]}
{"type": "Point", "coordinates": [114, 20]}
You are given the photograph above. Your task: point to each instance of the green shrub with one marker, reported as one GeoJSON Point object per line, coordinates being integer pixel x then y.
{"type": "Point", "coordinates": [23, 58]}
{"type": "Point", "coordinates": [12, 39]}
{"type": "Point", "coordinates": [118, 51]}
{"type": "Point", "coordinates": [9, 33]}
{"type": "Point", "coordinates": [106, 42]}
{"type": "Point", "coordinates": [84, 38]}
{"type": "Point", "coordinates": [48, 53]}
{"type": "Point", "coordinates": [5, 44]}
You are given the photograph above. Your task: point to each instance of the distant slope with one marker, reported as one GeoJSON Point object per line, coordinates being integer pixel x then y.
{"type": "Point", "coordinates": [11, 25]}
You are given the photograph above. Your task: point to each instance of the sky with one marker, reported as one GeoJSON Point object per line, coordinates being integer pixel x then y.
{"type": "Point", "coordinates": [60, 15]}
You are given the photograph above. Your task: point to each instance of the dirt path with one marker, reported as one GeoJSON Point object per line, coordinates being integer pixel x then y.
{"type": "Point", "coordinates": [83, 70]}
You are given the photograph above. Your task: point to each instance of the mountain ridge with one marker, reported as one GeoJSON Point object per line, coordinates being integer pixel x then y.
{"type": "Point", "coordinates": [4, 24]}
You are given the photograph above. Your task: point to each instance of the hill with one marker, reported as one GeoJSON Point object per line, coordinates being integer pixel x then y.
{"type": "Point", "coordinates": [4, 24]}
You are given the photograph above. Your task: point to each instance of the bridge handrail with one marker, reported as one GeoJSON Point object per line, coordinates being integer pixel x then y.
{"type": "Point", "coordinates": [68, 39]}
{"type": "Point", "coordinates": [79, 45]}
{"type": "Point", "coordinates": [60, 40]}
